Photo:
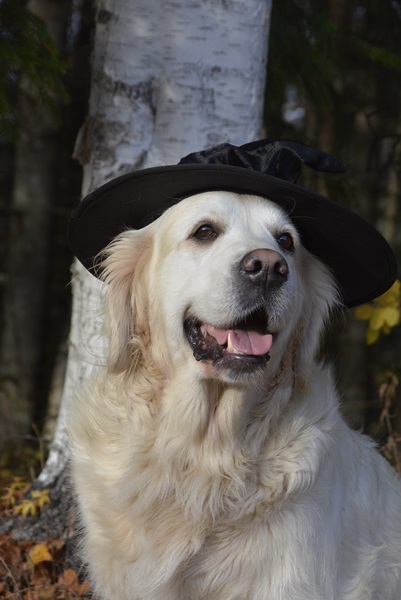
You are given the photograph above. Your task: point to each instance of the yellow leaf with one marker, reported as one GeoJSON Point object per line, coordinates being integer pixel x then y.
{"type": "Point", "coordinates": [377, 319]}
{"type": "Point", "coordinates": [372, 336]}
{"type": "Point", "coordinates": [41, 498]}
{"type": "Point", "coordinates": [384, 316]}
{"type": "Point", "coordinates": [39, 553]}
{"type": "Point", "coordinates": [27, 507]}
{"type": "Point", "coordinates": [364, 312]}
{"type": "Point", "coordinates": [392, 316]}
{"type": "Point", "coordinates": [383, 313]}
{"type": "Point", "coordinates": [392, 297]}
{"type": "Point", "coordinates": [14, 491]}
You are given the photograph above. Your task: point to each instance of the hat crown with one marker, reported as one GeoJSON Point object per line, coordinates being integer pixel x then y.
{"type": "Point", "coordinates": [279, 158]}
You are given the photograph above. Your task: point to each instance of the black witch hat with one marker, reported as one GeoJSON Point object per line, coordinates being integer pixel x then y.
{"type": "Point", "coordinates": [360, 259]}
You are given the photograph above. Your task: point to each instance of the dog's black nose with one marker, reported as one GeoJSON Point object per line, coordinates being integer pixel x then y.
{"type": "Point", "coordinates": [266, 266]}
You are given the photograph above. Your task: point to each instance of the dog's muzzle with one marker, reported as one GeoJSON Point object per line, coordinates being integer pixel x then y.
{"type": "Point", "coordinates": [245, 343]}
{"type": "Point", "coordinates": [261, 272]}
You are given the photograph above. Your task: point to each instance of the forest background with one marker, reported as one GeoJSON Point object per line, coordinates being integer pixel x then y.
{"type": "Point", "coordinates": [333, 81]}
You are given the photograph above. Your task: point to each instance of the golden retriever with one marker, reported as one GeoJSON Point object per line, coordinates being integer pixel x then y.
{"type": "Point", "coordinates": [210, 459]}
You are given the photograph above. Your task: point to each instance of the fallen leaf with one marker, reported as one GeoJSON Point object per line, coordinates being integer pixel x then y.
{"type": "Point", "coordinates": [69, 580]}
{"type": "Point", "coordinates": [41, 498]}
{"type": "Point", "coordinates": [39, 553]}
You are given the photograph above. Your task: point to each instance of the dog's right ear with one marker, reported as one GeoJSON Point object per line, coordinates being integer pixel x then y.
{"type": "Point", "coordinates": [125, 304]}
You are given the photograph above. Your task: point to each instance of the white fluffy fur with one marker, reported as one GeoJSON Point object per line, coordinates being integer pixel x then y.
{"type": "Point", "coordinates": [193, 485]}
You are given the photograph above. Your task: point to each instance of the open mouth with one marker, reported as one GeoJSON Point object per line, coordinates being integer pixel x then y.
{"type": "Point", "coordinates": [247, 342]}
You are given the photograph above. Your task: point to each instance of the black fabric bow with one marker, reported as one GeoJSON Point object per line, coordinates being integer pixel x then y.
{"type": "Point", "coordinates": [280, 158]}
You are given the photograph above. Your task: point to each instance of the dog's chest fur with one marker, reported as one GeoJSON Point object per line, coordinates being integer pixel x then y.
{"type": "Point", "coordinates": [240, 514]}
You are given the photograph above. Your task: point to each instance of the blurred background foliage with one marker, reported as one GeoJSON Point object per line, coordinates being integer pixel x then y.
{"type": "Point", "coordinates": [26, 48]}
{"type": "Point", "coordinates": [333, 81]}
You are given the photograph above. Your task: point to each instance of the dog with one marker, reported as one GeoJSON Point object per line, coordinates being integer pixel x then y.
{"type": "Point", "coordinates": [209, 457]}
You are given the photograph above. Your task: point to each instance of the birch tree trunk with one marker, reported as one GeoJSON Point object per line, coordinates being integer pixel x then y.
{"type": "Point", "coordinates": [168, 79]}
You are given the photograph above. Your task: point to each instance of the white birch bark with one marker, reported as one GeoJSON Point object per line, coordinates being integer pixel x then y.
{"type": "Point", "coordinates": [169, 78]}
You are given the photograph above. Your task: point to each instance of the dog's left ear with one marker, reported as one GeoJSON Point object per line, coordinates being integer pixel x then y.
{"type": "Point", "coordinates": [321, 299]}
{"type": "Point", "coordinates": [125, 308]}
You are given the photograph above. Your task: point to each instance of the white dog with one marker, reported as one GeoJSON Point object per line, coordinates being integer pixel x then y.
{"type": "Point", "coordinates": [210, 459]}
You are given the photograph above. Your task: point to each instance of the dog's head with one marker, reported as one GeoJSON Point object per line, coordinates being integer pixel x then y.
{"type": "Point", "coordinates": [221, 280]}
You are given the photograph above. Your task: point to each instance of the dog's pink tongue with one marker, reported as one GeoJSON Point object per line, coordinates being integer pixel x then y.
{"type": "Point", "coordinates": [248, 342]}
{"type": "Point", "coordinates": [242, 342]}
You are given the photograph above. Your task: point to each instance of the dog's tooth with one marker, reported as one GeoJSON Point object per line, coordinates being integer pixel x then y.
{"type": "Point", "coordinates": [230, 346]}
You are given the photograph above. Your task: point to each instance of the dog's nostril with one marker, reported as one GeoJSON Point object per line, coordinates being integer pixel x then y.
{"type": "Point", "coordinates": [263, 262]}
{"type": "Point", "coordinates": [252, 264]}
{"type": "Point", "coordinates": [282, 268]}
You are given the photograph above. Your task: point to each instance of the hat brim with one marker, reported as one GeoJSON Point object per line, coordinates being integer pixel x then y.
{"type": "Point", "coordinates": [360, 259]}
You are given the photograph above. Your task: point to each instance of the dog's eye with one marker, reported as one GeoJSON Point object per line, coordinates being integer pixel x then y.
{"type": "Point", "coordinates": [286, 242]}
{"type": "Point", "coordinates": [205, 232]}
